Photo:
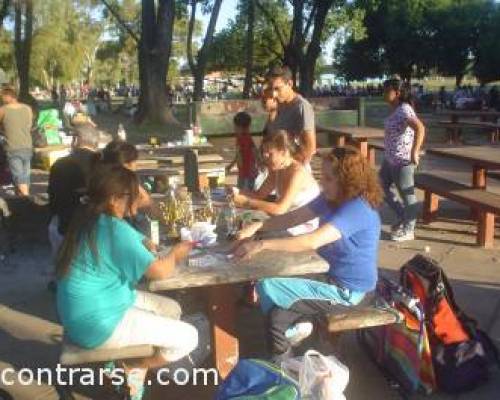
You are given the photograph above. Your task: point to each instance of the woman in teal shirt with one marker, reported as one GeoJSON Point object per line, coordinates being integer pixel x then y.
{"type": "Point", "coordinates": [100, 262]}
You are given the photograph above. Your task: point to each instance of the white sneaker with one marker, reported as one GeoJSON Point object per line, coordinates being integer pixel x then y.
{"type": "Point", "coordinates": [300, 331]}
{"type": "Point", "coordinates": [403, 235]}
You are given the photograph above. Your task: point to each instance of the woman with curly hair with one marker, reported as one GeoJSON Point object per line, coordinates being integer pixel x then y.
{"type": "Point", "coordinates": [347, 238]}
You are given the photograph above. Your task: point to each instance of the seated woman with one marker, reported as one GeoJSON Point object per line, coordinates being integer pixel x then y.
{"type": "Point", "coordinates": [118, 152]}
{"type": "Point", "coordinates": [101, 260]}
{"type": "Point", "coordinates": [293, 183]}
{"type": "Point", "coordinates": [347, 239]}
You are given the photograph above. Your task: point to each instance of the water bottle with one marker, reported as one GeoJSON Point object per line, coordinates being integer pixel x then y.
{"type": "Point", "coordinates": [121, 133]}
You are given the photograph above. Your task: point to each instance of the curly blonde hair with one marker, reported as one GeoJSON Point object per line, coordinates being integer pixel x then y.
{"type": "Point", "coordinates": [355, 176]}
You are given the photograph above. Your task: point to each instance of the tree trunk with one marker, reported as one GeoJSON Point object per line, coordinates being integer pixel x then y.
{"type": "Point", "coordinates": [154, 54]}
{"type": "Point", "coordinates": [458, 80]}
{"type": "Point", "coordinates": [22, 44]}
{"type": "Point", "coordinates": [199, 69]}
{"type": "Point", "coordinates": [308, 62]}
{"type": "Point", "coordinates": [4, 9]}
{"type": "Point", "coordinates": [249, 43]}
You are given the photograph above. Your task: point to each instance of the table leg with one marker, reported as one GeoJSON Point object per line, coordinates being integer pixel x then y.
{"type": "Point", "coordinates": [371, 156]}
{"type": "Point", "coordinates": [221, 311]}
{"type": "Point", "coordinates": [362, 144]}
{"type": "Point", "coordinates": [338, 141]}
{"type": "Point", "coordinates": [191, 172]}
{"type": "Point", "coordinates": [479, 177]}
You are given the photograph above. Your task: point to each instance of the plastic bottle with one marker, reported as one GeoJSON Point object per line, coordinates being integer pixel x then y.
{"type": "Point", "coordinates": [121, 133]}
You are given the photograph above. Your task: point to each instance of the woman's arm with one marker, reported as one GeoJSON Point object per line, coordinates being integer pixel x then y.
{"type": "Point", "coordinates": [282, 205]}
{"type": "Point", "coordinates": [279, 222]}
{"type": "Point", "coordinates": [326, 234]}
{"type": "Point", "coordinates": [419, 128]}
{"type": "Point", "coordinates": [162, 267]}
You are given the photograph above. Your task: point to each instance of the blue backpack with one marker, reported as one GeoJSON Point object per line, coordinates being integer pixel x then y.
{"type": "Point", "coordinates": [253, 379]}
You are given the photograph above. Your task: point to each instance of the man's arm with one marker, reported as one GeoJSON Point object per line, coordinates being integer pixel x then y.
{"type": "Point", "coordinates": [307, 147]}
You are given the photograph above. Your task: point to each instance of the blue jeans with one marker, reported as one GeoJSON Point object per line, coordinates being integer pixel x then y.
{"type": "Point", "coordinates": [20, 165]}
{"type": "Point", "coordinates": [399, 188]}
{"type": "Point", "coordinates": [286, 301]}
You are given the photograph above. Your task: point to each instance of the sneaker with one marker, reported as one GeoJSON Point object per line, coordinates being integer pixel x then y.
{"type": "Point", "coordinates": [297, 333]}
{"type": "Point", "coordinates": [403, 235]}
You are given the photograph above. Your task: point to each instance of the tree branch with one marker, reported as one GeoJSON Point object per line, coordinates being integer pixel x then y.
{"type": "Point", "coordinates": [310, 20]}
{"type": "Point", "coordinates": [123, 24]}
{"type": "Point", "coordinates": [273, 22]}
{"type": "Point", "coordinates": [189, 47]}
{"type": "Point", "coordinates": [4, 10]}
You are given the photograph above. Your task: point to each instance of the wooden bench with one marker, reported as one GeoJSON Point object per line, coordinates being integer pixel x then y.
{"type": "Point", "coordinates": [179, 160]}
{"type": "Point", "coordinates": [486, 204]}
{"type": "Point", "coordinates": [360, 318]}
{"type": "Point", "coordinates": [72, 354]}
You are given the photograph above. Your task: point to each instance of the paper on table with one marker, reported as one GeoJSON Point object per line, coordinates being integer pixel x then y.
{"type": "Point", "coordinates": [208, 260]}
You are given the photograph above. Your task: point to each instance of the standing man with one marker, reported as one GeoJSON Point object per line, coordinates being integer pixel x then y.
{"type": "Point", "coordinates": [16, 119]}
{"type": "Point", "coordinates": [295, 114]}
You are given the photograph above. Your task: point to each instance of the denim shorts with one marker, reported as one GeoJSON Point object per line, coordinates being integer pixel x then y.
{"type": "Point", "coordinates": [20, 165]}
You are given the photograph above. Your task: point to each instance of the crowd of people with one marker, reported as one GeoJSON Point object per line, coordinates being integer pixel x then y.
{"type": "Point", "coordinates": [100, 256]}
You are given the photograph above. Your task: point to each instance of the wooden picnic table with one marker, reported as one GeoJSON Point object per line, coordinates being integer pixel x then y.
{"type": "Point", "coordinates": [190, 154]}
{"type": "Point", "coordinates": [455, 129]}
{"type": "Point", "coordinates": [358, 134]}
{"type": "Point", "coordinates": [219, 282]}
{"type": "Point", "coordinates": [484, 115]}
{"type": "Point", "coordinates": [482, 158]}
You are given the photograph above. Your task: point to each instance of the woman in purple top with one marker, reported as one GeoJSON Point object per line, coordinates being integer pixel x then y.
{"type": "Point", "coordinates": [404, 135]}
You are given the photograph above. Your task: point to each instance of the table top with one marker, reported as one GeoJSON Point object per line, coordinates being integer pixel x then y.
{"type": "Point", "coordinates": [263, 265]}
{"type": "Point", "coordinates": [487, 156]}
{"type": "Point", "coordinates": [163, 147]}
{"type": "Point", "coordinates": [355, 132]}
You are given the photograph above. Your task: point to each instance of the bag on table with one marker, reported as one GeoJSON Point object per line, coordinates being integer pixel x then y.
{"type": "Point", "coordinates": [253, 379]}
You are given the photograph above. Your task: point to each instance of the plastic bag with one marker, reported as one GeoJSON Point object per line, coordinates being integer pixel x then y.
{"type": "Point", "coordinates": [320, 377]}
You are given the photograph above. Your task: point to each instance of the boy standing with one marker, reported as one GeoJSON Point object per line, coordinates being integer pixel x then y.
{"type": "Point", "coordinates": [246, 152]}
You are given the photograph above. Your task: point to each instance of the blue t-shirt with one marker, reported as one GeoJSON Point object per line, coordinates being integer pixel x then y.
{"type": "Point", "coordinates": [352, 258]}
{"type": "Point", "coordinates": [93, 297]}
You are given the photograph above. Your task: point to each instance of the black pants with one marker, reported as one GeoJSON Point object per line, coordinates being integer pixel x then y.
{"type": "Point", "coordinates": [279, 319]}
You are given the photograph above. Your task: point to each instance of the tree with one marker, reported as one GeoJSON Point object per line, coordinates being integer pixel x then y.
{"type": "Point", "coordinates": [4, 9]}
{"type": "Point", "coordinates": [23, 30]}
{"type": "Point", "coordinates": [312, 23]}
{"type": "Point", "coordinates": [455, 34]}
{"type": "Point", "coordinates": [198, 67]}
{"type": "Point", "coordinates": [357, 60]}
{"type": "Point", "coordinates": [250, 11]}
{"type": "Point", "coordinates": [157, 24]}
{"type": "Point", "coordinates": [487, 51]}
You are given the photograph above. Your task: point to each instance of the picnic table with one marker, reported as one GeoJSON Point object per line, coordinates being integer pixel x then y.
{"type": "Point", "coordinates": [455, 124]}
{"type": "Point", "coordinates": [190, 154]}
{"type": "Point", "coordinates": [219, 282]}
{"type": "Point", "coordinates": [484, 115]}
{"type": "Point", "coordinates": [482, 158]}
{"type": "Point", "coordinates": [455, 129]}
{"type": "Point", "coordinates": [357, 134]}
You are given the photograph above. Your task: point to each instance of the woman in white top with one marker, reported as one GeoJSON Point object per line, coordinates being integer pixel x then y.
{"type": "Point", "coordinates": [293, 183]}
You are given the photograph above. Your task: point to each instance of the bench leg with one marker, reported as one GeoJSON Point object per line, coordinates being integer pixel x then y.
{"type": "Point", "coordinates": [486, 230]}
{"type": "Point", "coordinates": [431, 205]}
{"type": "Point", "coordinates": [339, 141]}
{"type": "Point", "coordinates": [371, 156]}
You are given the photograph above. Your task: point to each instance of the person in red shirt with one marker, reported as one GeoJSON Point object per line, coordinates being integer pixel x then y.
{"type": "Point", "coordinates": [246, 152]}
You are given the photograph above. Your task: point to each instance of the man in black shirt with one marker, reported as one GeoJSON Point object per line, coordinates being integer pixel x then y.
{"type": "Point", "coordinates": [68, 181]}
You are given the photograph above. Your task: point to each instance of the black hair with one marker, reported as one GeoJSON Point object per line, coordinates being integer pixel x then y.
{"type": "Point", "coordinates": [107, 182]}
{"type": "Point", "coordinates": [280, 71]}
{"type": "Point", "coordinates": [403, 88]}
{"type": "Point", "coordinates": [119, 152]}
{"type": "Point", "coordinates": [242, 119]}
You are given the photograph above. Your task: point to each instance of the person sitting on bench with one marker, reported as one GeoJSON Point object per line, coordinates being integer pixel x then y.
{"type": "Point", "coordinates": [347, 238]}
{"type": "Point", "coordinates": [101, 260]}
{"type": "Point", "coordinates": [292, 182]}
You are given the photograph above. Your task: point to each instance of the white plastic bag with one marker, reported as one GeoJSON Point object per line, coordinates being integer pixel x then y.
{"type": "Point", "coordinates": [320, 377]}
